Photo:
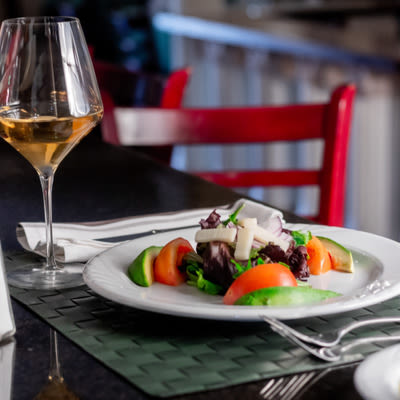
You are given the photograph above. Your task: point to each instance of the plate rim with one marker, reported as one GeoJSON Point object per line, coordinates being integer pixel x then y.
{"type": "Point", "coordinates": [245, 313]}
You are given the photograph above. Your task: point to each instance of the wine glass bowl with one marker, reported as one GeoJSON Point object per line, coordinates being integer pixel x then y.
{"type": "Point", "coordinates": [49, 101]}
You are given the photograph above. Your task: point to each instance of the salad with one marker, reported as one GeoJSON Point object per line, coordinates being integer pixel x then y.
{"type": "Point", "coordinates": [246, 261]}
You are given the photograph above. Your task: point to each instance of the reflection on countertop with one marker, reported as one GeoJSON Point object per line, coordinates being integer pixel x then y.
{"type": "Point", "coordinates": [7, 356]}
{"type": "Point", "coordinates": [55, 388]}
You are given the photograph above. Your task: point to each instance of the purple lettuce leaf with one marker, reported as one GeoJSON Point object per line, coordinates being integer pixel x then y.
{"type": "Point", "coordinates": [212, 221]}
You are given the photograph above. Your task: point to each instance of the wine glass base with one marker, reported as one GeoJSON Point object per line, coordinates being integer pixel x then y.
{"type": "Point", "coordinates": [36, 276]}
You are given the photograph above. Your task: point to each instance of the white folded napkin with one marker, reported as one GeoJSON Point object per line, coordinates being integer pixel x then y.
{"type": "Point", "coordinates": [7, 325]}
{"type": "Point", "coordinates": [80, 242]}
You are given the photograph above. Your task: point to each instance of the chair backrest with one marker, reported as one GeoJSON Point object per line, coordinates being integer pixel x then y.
{"type": "Point", "coordinates": [121, 87]}
{"type": "Point", "coordinates": [174, 88]}
{"type": "Point", "coordinates": [328, 121]}
{"type": "Point", "coordinates": [137, 88]}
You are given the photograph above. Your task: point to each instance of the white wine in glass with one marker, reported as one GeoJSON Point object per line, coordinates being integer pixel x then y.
{"type": "Point", "coordinates": [49, 101]}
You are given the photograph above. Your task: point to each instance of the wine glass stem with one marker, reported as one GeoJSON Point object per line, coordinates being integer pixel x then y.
{"type": "Point", "coordinates": [46, 181]}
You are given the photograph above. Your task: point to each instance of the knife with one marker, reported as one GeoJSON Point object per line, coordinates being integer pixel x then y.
{"type": "Point", "coordinates": [132, 236]}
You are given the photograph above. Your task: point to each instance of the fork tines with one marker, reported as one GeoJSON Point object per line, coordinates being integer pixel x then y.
{"type": "Point", "coordinates": [285, 388]}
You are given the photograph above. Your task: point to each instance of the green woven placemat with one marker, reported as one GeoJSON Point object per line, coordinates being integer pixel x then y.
{"type": "Point", "coordinates": [165, 355]}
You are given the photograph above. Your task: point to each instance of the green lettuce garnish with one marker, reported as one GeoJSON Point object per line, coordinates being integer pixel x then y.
{"type": "Point", "coordinates": [240, 268]}
{"type": "Point", "coordinates": [233, 217]}
{"type": "Point", "coordinates": [260, 261]}
{"type": "Point", "coordinates": [301, 238]}
{"type": "Point", "coordinates": [196, 278]}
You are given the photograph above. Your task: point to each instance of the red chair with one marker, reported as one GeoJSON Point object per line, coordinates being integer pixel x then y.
{"type": "Point", "coordinates": [122, 87]}
{"type": "Point", "coordinates": [328, 121]}
{"type": "Point", "coordinates": [141, 89]}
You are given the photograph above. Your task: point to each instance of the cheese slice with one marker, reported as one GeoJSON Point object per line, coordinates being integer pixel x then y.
{"type": "Point", "coordinates": [248, 222]}
{"type": "Point", "coordinates": [262, 235]}
{"type": "Point", "coordinates": [227, 235]}
{"type": "Point", "coordinates": [244, 242]}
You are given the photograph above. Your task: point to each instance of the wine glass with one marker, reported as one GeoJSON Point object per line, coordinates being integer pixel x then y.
{"type": "Point", "coordinates": [49, 100]}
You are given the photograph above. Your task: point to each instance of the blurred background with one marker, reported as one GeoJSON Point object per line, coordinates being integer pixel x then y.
{"type": "Point", "coordinates": [267, 52]}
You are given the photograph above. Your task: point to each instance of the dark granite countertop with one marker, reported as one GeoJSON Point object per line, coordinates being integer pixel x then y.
{"type": "Point", "coordinates": [95, 182]}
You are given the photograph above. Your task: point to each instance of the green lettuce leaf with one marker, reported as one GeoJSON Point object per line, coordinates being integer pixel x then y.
{"type": "Point", "coordinates": [301, 238]}
{"type": "Point", "coordinates": [233, 217]}
{"type": "Point", "coordinates": [196, 278]}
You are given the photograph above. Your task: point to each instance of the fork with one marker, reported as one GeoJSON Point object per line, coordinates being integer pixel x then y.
{"type": "Point", "coordinates": [333, 353]}
{"type": "Point", "coordinates": [331, 338]}
{"type": "Point", "coordinates": [287, 387]}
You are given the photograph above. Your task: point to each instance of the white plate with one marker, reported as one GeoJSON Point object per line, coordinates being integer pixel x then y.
{"type": "Point", "coordinates": [378, 376]}
{"type": "Point", "coordinates": [376, 278]}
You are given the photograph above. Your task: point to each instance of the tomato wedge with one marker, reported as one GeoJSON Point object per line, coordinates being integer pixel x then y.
{"type": "Point", "coordinates": [259, 277]}
{"type": "Point", "coordinates": [319, 260]}
{"type": "Point", "coordinates": [169, 259]}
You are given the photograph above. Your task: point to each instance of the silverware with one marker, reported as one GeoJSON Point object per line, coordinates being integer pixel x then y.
{"type": "Point", "coordinates": [116, 239]}
{"type": "Point", "coordinates": [337, 352]}
{"type": "Point", "coordinates": [333, 353]}
{"type": "Point", "coordinates": [287, 387]}
{"type": "Point", "coordinates": [331, 338]}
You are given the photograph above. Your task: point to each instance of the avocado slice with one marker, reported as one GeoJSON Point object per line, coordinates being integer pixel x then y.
{"type": "Point", "coordinates": [284, 296]}
{"type": "Point", "coordinates": [342, 259]}
{"type": "Point", "coordinates": [141, 269]}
